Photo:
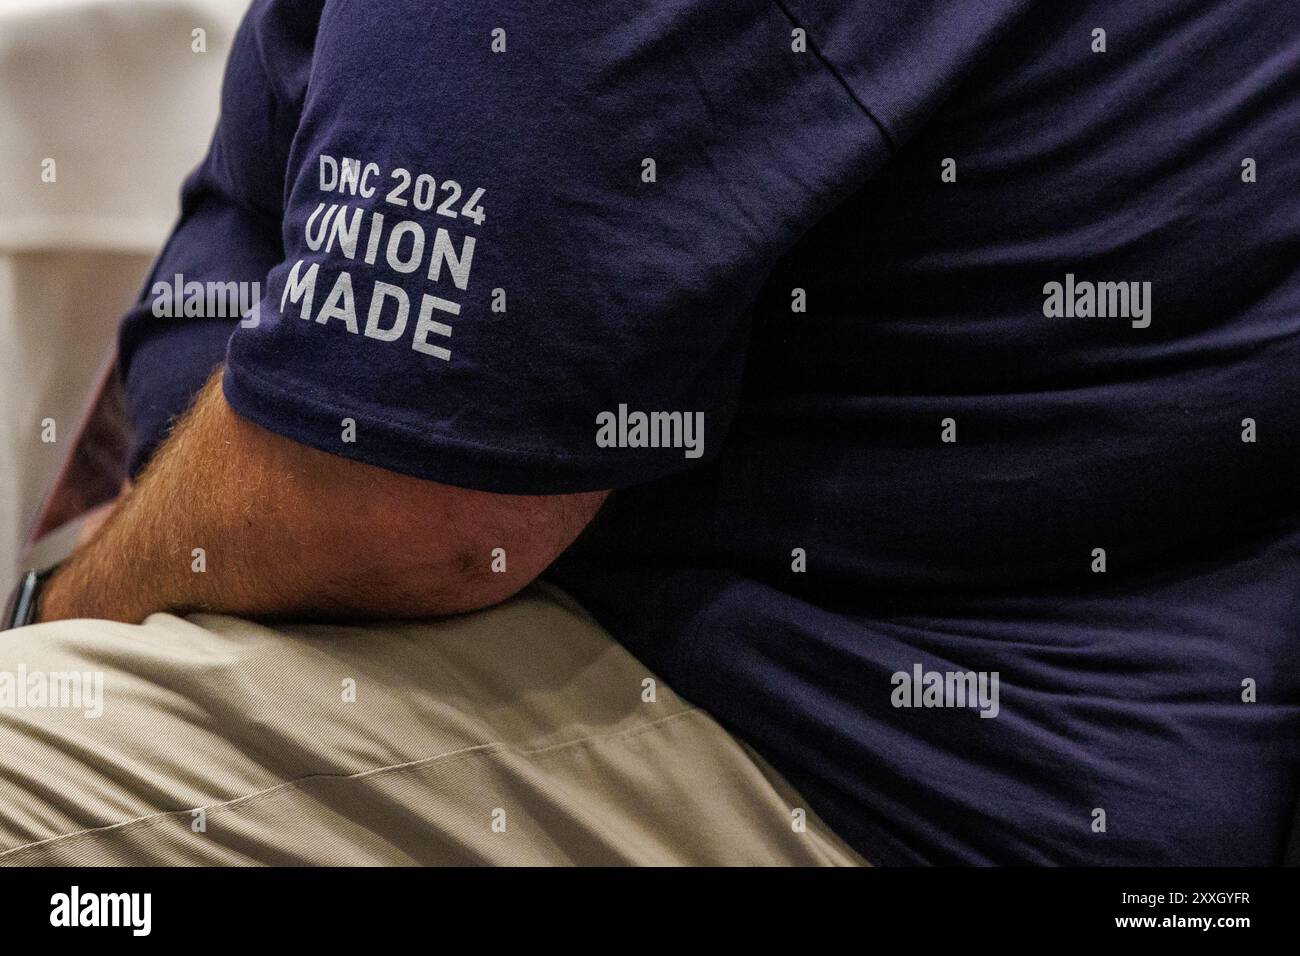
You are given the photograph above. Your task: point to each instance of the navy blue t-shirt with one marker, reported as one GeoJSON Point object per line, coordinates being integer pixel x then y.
{"type": "Point", "coordinates": [943, 356]}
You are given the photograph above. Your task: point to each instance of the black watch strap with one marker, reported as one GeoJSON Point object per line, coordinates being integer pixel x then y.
{"type": "Point", "coordinates": [20, 610]}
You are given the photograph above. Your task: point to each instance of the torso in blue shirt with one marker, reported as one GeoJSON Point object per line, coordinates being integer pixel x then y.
{"type": "Point", "coordinates": [948, 459]}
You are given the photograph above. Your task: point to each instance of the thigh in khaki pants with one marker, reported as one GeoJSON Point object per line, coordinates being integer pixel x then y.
{"type": "Point", "coordinates": [517, 735]}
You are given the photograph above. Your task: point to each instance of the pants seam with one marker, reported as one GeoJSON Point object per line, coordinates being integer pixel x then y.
{"type": "Point", "coordinates": [404, 766]}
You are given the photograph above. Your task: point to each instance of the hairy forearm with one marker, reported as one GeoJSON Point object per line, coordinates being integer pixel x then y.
{"type": "Point", "coordinates": [231, 518]}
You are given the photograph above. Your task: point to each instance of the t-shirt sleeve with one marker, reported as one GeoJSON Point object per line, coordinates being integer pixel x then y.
{"type": "Point", "coordinates": [164, 354]}
{"type": "Point", "coordinates": [521, 248]}
{"type": "Point", "coordinates": [227, 237]}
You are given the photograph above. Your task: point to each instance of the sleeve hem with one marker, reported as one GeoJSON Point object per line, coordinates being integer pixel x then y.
{"type": "Point", "coordinates": [394, 446]}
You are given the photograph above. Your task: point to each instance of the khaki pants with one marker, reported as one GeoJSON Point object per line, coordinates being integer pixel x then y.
{"type": "Point", "coordinates": [518, 735]}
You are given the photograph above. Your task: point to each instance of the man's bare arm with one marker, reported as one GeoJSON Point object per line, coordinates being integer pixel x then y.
{"type": "Point", "coordinates": [289, 530]}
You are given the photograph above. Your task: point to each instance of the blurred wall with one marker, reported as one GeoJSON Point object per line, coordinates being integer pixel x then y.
{"type": "Point", "coordinates": [114, 93]}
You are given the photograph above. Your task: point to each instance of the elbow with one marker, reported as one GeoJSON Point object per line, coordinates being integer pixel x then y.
{"type": "Point", "coordinates": [465, 559]}
{"type": "Point", "coordinates": [457, 582]}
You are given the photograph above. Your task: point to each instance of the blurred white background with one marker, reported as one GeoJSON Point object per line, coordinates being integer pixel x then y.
{"type": "Point", "coordinates": [113, 92]}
